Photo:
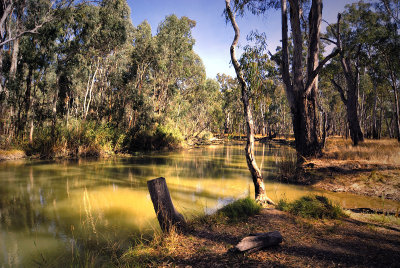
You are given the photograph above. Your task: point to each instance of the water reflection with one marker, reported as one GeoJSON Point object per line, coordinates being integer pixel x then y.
{"type": "Point", "coordinates": [48, 208]}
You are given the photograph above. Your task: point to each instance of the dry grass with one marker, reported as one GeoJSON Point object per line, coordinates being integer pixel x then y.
{"type": "Point", "coordinates": [307, 243]}
{"type": "Point", "coordinates": [372, 168]}
{"type": "Point", "coordinates": [386, 151]}
{"type": "Point", "coordinates": [11, 154]}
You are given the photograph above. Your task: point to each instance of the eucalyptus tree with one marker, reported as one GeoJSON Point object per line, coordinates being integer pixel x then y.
{"type": "Point", "coordinates": [174, 45]}
{"type": "Point", "coordinates": [351, 33]}
{"type": "Point", "coordinates": [390, 49]}
{"type": "Point", "coordinates": [230, 90]}
{"type": "Point", "coordinates": [302, 88]}
{"type": "Point", "coordinates": [301, 77]}
{"type": "Point", "coordinates": [255, 171]}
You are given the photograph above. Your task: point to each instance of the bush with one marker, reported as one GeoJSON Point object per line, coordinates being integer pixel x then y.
{"type": "Point", "coordinates": [240, 210]}
{"type": "Point", "coordinates": [312, 206]}
{"type": "Point", "coordinates": [79, 138]}
{"type": "Point", "coordinates": [161, 137]}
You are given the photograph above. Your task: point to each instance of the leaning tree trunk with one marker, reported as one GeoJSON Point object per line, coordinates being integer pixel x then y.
{"type": "Point", "coordinates": [259, 187]}
{"type": "Point", "coordinates": [166, 213]}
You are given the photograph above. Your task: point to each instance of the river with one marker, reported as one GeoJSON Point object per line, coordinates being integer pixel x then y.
{"type": "Point", "coordinates": [48, 208]}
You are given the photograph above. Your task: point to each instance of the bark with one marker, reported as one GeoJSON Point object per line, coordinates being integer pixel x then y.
{"type": "Point", "coordinates": [255, 172]}
{"type": "Point", "coordinates": [166, 213]}
{"type": "Point", "coordinates": [14, 58]}
{"type": "Point", "coordinates": [302, 93]}
{"type": "Point", "coordinates": [259, 241]}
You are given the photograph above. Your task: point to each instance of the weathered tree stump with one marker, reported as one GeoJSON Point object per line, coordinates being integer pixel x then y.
{"type": "Point", "coordinates": [166, 213]}
{"type": "Point", "coordinates": [259, 241]}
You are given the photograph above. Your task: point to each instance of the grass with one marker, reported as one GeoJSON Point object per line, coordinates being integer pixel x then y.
{"type": "Point", "coordinates": [385, 151]}
{"type": "Point", "coordinates": [287, 165]}
{"type": "Point", "coordinates": [11, 154]}
{"type": "Point", "coordinates": [313, 207]}
{"type": "Point", "coordinates": [239, 210]}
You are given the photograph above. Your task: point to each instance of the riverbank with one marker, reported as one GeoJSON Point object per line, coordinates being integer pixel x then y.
{"type": "Point", "coordinates": [371, 169]}
{"type": "Point", "coordinates": [344, 242]}
{"type": "Point", "coordinates": [13, 154]}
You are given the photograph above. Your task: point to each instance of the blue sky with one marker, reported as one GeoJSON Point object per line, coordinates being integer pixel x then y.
{"type": "Point", "coordinates": [213, 36]}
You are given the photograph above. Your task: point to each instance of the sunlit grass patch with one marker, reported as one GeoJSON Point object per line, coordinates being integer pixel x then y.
{"type": "Point", "coordinates": [239, 210]}
{"type": "Point", "coordinates": [11, 154]}
{"type": "Point", "coordinates": [312, 206]}
{"type": "Point", "coordinates": [385, 151]}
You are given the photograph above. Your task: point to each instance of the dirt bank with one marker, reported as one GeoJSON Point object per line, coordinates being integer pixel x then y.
{"type": "Point", "coordinates": [372, 168]}
{"type": "Point", "coordinates": [307, 243]}
{"type": "Point", "coordinates": [380, 180]}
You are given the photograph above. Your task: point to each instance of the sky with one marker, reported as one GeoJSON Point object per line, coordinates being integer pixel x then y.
{"type": "Point", "coordinates": [213, 36]}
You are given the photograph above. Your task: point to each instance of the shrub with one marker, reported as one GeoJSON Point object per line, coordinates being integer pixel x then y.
{"type": "Point", "coordinates": [161, 137]}
{"type": "Point", "coordinates": [312, 206]}
{"type": "Point", "coordinates": [240, 209]}
{"type": "Point", "coordinates": [86, 138]}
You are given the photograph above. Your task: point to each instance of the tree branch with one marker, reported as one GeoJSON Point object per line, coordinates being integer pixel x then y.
{"type": "Point", "coordinates": [318, 69]}
{"type": "Point", "coordinates": [329, 40]}
{"type": "Point", "coordinates": [340, 90]}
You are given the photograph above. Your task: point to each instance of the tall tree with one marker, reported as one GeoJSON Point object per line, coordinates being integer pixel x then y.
{"type": "Point", "coordinates": [256, 175]}
{"type": "Point", "coordinates": [302, 89]}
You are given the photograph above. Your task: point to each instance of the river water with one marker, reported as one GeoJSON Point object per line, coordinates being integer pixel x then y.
{"type": "Point", "coordinates": [48, 208]}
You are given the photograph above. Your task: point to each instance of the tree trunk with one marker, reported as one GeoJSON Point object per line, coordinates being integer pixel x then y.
{"type": "Point", "coordinates": [14, 58]}
{"type": "Point", "coordinates": [375, 134]}
{"type": "Point", "coordinates": [166, 213]}
{"type": "Point", "coordinates": [260, 194]}
{"type": "Point", "coordinates": [396, 106]}
{"type": "Point", "coordinates": [354, 123]}
{"type": "Point", "coordinates": [302, 93]}
{"type": "Point", "coordinates": [27, 98]}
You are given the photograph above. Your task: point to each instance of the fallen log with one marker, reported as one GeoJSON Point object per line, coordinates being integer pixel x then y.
{"type": "Point", "coordinates": [259, 241]}
{"type": "Point", "coordinates": [166, 213]}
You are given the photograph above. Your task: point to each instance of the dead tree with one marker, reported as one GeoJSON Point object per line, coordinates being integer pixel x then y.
{"type": "Point", "coordinates": [166, 213]}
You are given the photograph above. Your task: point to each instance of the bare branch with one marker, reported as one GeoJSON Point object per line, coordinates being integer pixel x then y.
{"type": "Point", "coordinates": [31, 31]}
{"type": "Point", "coordinates": [329, 40]}
{"type": "Point", "coordinates": [331, 26]}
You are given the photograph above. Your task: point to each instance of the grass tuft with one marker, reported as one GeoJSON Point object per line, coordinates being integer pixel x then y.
{"type": "Point", "coordinates": [312, 206]}
{"type": "Point", "coordinates": [239, 210]}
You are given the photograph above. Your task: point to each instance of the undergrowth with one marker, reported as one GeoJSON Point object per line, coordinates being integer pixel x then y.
{"type": "Point", "coordinates": [313, 207]}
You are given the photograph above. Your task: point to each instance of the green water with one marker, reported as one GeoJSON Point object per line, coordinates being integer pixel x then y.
{"type": "Point", "coordinates": [51, 208]}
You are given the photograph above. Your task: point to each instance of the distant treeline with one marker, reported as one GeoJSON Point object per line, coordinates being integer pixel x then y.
{"type": "Point", "coordinates": [77, 78]}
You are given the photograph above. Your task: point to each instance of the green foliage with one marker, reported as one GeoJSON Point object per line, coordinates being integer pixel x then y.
{"type": "Point", "coordinates": [161, 138]}
{"type": "Point", "coordinates": [240, 210]}
{"type": "Point", "coordinates": [312, 206]}
{"type": "Point", "coordinates": [77, 139]}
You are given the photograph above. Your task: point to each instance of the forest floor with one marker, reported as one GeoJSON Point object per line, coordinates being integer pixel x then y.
{"type": "Point", "coordinates": [354, 241]}
{"type": "Point", "coordinates": [372, 168]}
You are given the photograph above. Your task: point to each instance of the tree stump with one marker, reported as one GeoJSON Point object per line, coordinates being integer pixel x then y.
{"type": "Point", "coordinates": [166, 213]}
{"type": "Point", "coordinates": [259, 241]}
